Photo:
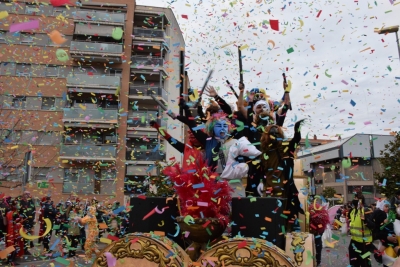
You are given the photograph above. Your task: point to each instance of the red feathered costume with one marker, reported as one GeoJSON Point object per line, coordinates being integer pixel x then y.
{"type": "Point", "coordinates": [41, 221]}
{"type": "Point", "coordinates": [13, 236]}
{"type": "Point", "coordinates": [198, 190]}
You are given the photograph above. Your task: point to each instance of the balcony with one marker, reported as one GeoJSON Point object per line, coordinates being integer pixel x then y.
{"type": "Point", "coordinates": [91, 115]}
{"type": "Point", "coordinates": [142, 118]}
{"type": "Point", "coordinates": [148, 33]}
{"type": "Point", "coordinates": [88, 152]}
{"type": "Point", "coordinates": [78, 188]}
{"type": "Point", "coordinates": [99, 52]}
{"type": "Point", "coordinates": [98, 16]}
{"type": "Point", "coordinates": [145, 155]}
{"type": "Point", "coordinates": [111, 83]}
{"type": "Point", "coordinates": [143, 90]}
{"type": "Point", "coordinates": [147, 62]}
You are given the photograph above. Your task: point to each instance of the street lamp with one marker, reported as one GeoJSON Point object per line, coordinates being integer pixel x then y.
{"type": "Point", "coordinates": [392, 29]}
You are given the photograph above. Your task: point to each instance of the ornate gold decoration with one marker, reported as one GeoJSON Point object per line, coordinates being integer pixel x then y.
{"type": "Point", "coordinates": [149, 250]}
{"type": "Point", "coordinates": [254, 253]}
{"type": "Point", "coordinates": [298, 242]}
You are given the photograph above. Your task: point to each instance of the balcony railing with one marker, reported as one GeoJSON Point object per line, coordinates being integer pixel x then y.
{"type": "Point", "coordinates": [143, 90]}
{"type": "Point", "coordinates": [93, 81]}
{"type": "Point", "coordinates": [79, 188]}
{"type": "Point", "coordinates": [149, 33]}
{"type": "Point", "coordinates": [145, 155]}
{"type": "Point", "coordinates": [99, 16]}
{"type": "Point", "coordinates": [142, 118]}
{"type": "Point", "coordinates": [103, 152]}
{"type": "Point", "coordinates": [100, 48]}
{"type": "Point", "coordinates": [90, 115]}
{"type": "Point", "coordinates": [143, 61]}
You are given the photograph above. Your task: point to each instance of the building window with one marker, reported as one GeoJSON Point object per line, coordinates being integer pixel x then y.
{"type": "Point", "coordinates": [19, 102]}
{"type": "Point", "coordinates": [2, 37]}
{"type": "Point", "coordinates": [40, 174]}
{"type": "Point", "coordinates": [26, 38]}
{"type": "Point", "coordinates": [7, 69]}
{"type": "Point", "coordinates": [11, 174]}
{"type": "Point", "coordinates": [52, 71]}
{"type": "Point", "coordinates": [78, 181]}
{"type": "Point", "coordinates": [108, 174]}
{"type": "Point", "coordinates": [23, 69]}
{"type": "Point", "coordinates": [48, 103]}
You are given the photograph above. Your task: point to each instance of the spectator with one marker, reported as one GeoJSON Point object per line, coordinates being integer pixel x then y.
{"type": "Point", "coordinates": [28, 213]}
{"type": "Point", "coordinates": [361, 234]}
{"type": "Point", "coordinates": [319, 219]}
{"type": "Point", "coordinates": [49, 212]}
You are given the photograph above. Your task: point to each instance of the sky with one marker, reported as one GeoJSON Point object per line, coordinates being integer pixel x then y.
{"type": "Point", "coordinates": [345, 77]}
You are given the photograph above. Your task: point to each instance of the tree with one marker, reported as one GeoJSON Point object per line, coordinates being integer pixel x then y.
{"type": "Point", "coordinates": [328, 192]}
{"type": "Point", "coordinates": [388, 180]}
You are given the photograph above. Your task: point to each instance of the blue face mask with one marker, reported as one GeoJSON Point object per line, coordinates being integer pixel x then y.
{"type": "Point", "coordinates": [221, 129]}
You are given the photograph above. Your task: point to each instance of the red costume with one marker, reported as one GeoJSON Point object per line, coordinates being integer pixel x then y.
{"type": "Point", "coordinates": [41, 221]}
{"type": "Point", "coordinates": [13, 236]}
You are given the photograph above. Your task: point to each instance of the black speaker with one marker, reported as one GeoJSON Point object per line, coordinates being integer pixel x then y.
{"type": "Point", "coordinates": [260, 217]}
{"type": "Point", "coordinates": [164, 222]}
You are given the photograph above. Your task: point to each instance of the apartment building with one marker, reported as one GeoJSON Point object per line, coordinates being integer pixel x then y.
{"type": "Point", "coordinates": [361, 152]}
{"type": "Point", "coordinates": [81, 125]}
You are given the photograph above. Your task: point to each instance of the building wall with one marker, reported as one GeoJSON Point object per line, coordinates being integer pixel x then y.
{"type": "Point", "coordinates": [33, 119]}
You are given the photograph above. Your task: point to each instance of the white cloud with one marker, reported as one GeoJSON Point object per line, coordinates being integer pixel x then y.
{"type": "Point", "coordinates": [338, 35]}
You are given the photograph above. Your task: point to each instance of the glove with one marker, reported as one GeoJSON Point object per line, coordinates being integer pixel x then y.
{"type": "Point", "coordinates": [260, 188]}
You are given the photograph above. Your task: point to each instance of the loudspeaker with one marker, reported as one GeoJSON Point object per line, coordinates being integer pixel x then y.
{"type": "Point", "coordinates": [260, 217]}
{"type": "Point", "coordinates": [164, 222]}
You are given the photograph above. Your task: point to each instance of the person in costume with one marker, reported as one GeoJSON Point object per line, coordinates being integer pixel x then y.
{"type": "Point", "coordinates": [14, 224]}
{"type": "Point", "coordinates": [92, 232]}
{"type": "Point", "coordinates": [319, 219]}
{"type": "Point", "coordinates": [278, 161]}
{"type": "Point", "coordinates": [73, 231]}
{"type": "Point", "coordinates": [258, 114]}
{"type": "Point", "coordinates": [115, 227]}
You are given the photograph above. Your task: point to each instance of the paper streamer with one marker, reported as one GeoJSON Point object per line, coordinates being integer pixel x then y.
{"type": "Point", "coordinates": [32, 237]}
{"type": "Point", "coordinates": [59, 2]}
{"type": "Point", "coordinates": [62, 55]}
{"type": "Point", "coordinates": [111, 260]}
{"type": "Point", "coordinates": [327, 75]}
{"type": "Point", "coordinates": [3, 14]}
{"type": "Point", "coordinates": [17, 27]}
{"type": "Point", "coordinates": [56, 37]}
{"type": "Point", "coordinates": [160, 211]}
{"type": "Point", "coordinates": [272, 43]}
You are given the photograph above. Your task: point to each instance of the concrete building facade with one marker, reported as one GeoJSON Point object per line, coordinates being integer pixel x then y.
{"type": "Point", "coordinates": [81, 125]}
{"type": "Point", "coordinates": [345, 165]}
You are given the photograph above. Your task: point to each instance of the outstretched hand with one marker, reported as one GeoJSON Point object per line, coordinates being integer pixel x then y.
{"type": "Point", "coordinates": [241, 86]}
{"type": "Point", "coordinates": [210, 91]}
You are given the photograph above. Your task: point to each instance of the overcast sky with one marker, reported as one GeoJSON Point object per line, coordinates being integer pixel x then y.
{"type": "Point", "coordinates": [343, 74]}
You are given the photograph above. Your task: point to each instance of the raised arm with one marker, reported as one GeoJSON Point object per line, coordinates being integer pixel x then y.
{"type": "Point", "coordinates": [241, 108]}
{"type": "Point", "coordinates": [296, 138]}
{"type": "Point", "coordinates": [173, 142]}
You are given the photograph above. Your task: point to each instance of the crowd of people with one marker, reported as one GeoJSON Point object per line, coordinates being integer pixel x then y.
{"type": "Point", "coordinates": [73, 224]}
{"type": "Point", "coordinates": [374, 230]}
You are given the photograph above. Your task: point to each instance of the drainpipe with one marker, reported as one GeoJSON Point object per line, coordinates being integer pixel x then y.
{"type": "Point", "coordinates": [181, 77]}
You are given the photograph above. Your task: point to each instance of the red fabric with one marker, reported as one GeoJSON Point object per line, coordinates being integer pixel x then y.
{"type": "Point", "coordinates": [217, 194]}
{"type": "Point", "coordinates": [41, 223]}
{"type": "Point", "coordinates": [13, 236]}
{"type": "Point", "coordinates": [319, 216]}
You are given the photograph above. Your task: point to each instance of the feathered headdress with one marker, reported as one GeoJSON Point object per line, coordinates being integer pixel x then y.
{"type": "Point", "coordinates": [199, 191]}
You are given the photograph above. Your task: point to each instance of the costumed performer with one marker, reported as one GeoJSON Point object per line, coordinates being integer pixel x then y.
{"type": "Point", "coordinates": [278, 161]}
{"type": "Point", "coordinates": [92, 232]}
